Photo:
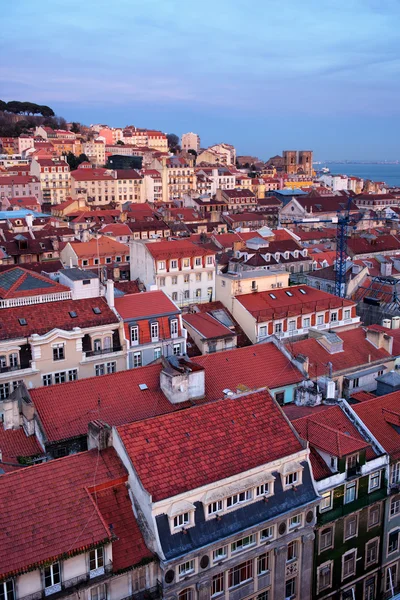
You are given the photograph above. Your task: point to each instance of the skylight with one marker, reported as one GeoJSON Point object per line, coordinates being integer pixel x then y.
{"type": "Point", "coordinates": [302, 291]}
{"type": "Point", "coordinates": [273, 296]}
{"type": "Point", "coordinates": [96, 310]}
{"type": "Point", "coordinates": [289, 293]}
{"type": "Point", "coordinates": [22, 322]}
{"type": "Point", "coordinates": [73, 314]}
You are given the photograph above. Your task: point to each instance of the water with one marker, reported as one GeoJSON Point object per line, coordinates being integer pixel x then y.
{"type": "Point", "coordinates": [390, 174]}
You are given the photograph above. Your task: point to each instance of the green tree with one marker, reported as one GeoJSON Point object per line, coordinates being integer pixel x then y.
{"type": "Point", "coordinates": [46, 111]}
{"type": "Point", "coordinates": [3, 105]}
{"type": "Point", "coordinates": [173, 140]}
{"type": "Point", "coordinates": [120, 143]}
{"type": "Point", "coordinates": [75, 127]}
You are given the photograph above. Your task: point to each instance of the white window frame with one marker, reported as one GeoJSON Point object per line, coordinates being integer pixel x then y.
{"type": "Point", "coordinates": [348, 553]}
{"type": "Point", "coordinates": [243, 543]}
{"type": "Point", "coordinates": [264, 489]}
{"type": "Point", "coordinates": [370, 542]}
{"type": "Point", "coordinates": [295, 521]}
{"type": "Point", "coordinates": [347, 486]}
{"type": "Point", "coordinates": [181, 520]}
{"type": "Point", "coordinates": [394, 502]}
{"type": "Point", "coordinates": [325, 565]}
{"type": "Point", "coordinates": [324, 505]}
{"type": "Point", "coordinates": [137, 358]}
{"type": "Point", "coordinates": [186, 568]}
{"type": "Point", "coordinates": [215, 507]}
{"type": "Point", "coordinates": [134, 334]}
{"type": "Point", "coordinates": [374, 476]}
{"type": "Point", "coordinates": [154, 331]}
{"type": "Point", "coordinates": [235, 499]}
{"type": "Point", "coordinates": [291, 479]}
{"type": "Point", "coordinates": [220, 554]}
{"type": "Point", "coordinates": [268, 533]}
{"type": "Point", "coordinates": [321, 533]}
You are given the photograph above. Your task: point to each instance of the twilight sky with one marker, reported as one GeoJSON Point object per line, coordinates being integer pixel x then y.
{"type": "Point", "coordinates": [264, 75]}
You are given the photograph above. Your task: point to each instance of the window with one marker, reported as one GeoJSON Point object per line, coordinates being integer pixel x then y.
{"type": "Point", "coordinates": [238, 498]}
{"type": "Point", "coordinates": [350, 492]}
{"type": "Point", "coordinates": [47, 380]}
{"type": "Point", "coordinates": [135, 334]}
{"type": "Point", "coordinates": [137, 359]}
{"type": "Point", "coordinates": [290, 588]}
{"type": "Point", "coordinates": [347, 314]}
{"type": "Point", "coordinates": [198, 276]}
{"type": "Point", "coordinates": [306, 322]}
{"type": "Point", "coordinates": [186, 278]}
{"type": "Point", "coordinates": [154, 331]}
{"type": "Point", "coordinates": [324, 577]}
{"type": "Point", "coordinates": [350, 527]}
{"type": "Point", "coordinates": [278, 327]}
{"type": "Point", "coordinates": [198, 293]}
{"type": "Point", "coordinates": [177, 349]}
{"type": "Point", "coordinates": [72, 374]}
{"type": "Point", "coordinates": [263, 564]}
{"type": "Point", "coordinates": [162, 281]}
{"type": "Point", "coordinates": [96, 261]}
{"type": "Point", "coordinates": [111, 367]}
{"type": "Point", "coordinates": [13, 358]}
{"type": "Point", "coordinates": [210, 260]}
{"type": "Point", "coordinates": [370, 591]}
{"type": "Point", "coordinates": [174, 296]}
{"type": "Point", "coordinates": [267, 534]}
{"type": "Point", "coordinates": [334, 317]}
{"type": "Point", "coordinates": [291, 478]}
{"type": "Point", "coordinates": [118, 258]}
{"type": "Point", "coordinates": [174, 280]}
{"type": "Point", "coordinates": [263, 489]}
{"type": "Point", "coordinates": [161, 265]}
{"type": "Point", "coordinates": [186, 568]}
{"type": "Point", "coordinates": [210, 276]}
{"type": "Point", "coordinates": [393, 541]}
{"type": "Point", "coordinates": [240, 573]}
{"type": "Point", "coordinates": [291, 551]}
{"type": "Point", "coordinates": [349, 564]}
{"type": "Point", "coordinates": [391, 578]}
{"type": "Point", "coordinates": [209, 293]}
{"type": "Point", "coordinates": [326, 539]}
{"type": "Point", "coordinates": [60, 377]}
{"type": "Point", "coordinates": [52, 577]}
{"type": "Point", "coordinates": [371, 553]}
{"type": "Point", "coordinates": [374, 481]}
{"type": "Point", "coordinates": [58, 352]}
{"type": "Point", "coordinates": [394, 506]}
{"type": "Point", "coordinates": [96, 559]}
{"type": "Point", "coordinates": [217, 586]}
{"type": "Point", "coordinates": [374, 515]}
{"type": "Point", "coordinates": [326, 502]}
{"type": "Point", "coordinates": [280, 397]}
{"type": "Point", "coordinates": [295, 521]}
{"type": "Point", "coordinates": [181, 520]}
{"type": "Point", "coordinates": [243, 543]}
{"type": "Point", "coordinates": [99, 370]}
{"type": "Point", "coordinates": [186, 263]}
{"type": "Point", "coordinates": [85, 262]}
{"type": "Point", "coordinates": [97, 345]}
{"type": "Point", "coordinates": [157, 353]}
{"type": "Point", "coordinates": [214, 507]}
{"type": "Point", "coordinates": [174, 264]}
{"type": "Point", "coordinates": [197, 262]}
{"type": "Point", "coordinates": [320, 319]}
{"type": "Point", "coordinates": [174, 327]}
{"type": "Point", "coordinates": [186, 294]}
{"type": "Point", "coordinates": [108, 260]}
{"type": "Point", "coordinates": [186, 594]}
{"type": "Point", "coordinates": [5, 390]}
{"type": "Point", "coordinates": [292, 325]}
{"type": "Point", "coordinates": [7, 591]}
{"type": "Point", "coordinates": [220, 553]}
{"type": "Point", "coordinates": [98, 592]}
{"type": "Point", "coordinates": [395, 473]}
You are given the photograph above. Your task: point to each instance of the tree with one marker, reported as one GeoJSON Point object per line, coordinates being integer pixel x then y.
{"type": "Point", "coordinates": [3, 105]}
{"type": "Point", "coordinates": [46, 111]}
{"type": "Point", "coordinates": [120, 143]}
{"type": "Point", "coordinates": [75, 127]}
{"type": "Point", "coordinates": [173, 141]}
{"type": "Point", "coordinates": [191, 151]}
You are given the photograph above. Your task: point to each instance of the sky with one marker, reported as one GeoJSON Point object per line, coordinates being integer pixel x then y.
{"type": "Point", "coordinates": [264, 75]}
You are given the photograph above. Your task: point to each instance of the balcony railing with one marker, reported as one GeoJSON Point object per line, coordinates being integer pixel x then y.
{"type": "Point", "coordinates": [116, 348]}
{"type": "Point", "coordinates": [152, 593]}
{"type": "Point", "coordinates": [353, 471]}
{"type": "Point", "coordinates": [18, 367]}
{"type": "Point", "coordinates": [71, 585]}
{"type": "Point", "coordinates": [345, 509]}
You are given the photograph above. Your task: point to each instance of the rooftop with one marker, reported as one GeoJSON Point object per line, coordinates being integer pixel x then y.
{"type": "Point", "coordinates": [103, 246]}
{"type": "Point", "coordinates": [176, 249]}
{"type": "Point", "coordinates": [382, 417]}
{"type": "Point", "coordinates": [207, 326]}
{"type": "Point", "coordinates": [18, 282]}
{"type": "Point", "coordinates": [146, 304]}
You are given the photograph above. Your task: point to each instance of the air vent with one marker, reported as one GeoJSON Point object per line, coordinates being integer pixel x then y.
{"type": "Point", "coordinates": [96, 310]}
{"type": "Point", "coordinates": [143, 386]}
{"type": "Point", "coordinates": [282, 528]}
{"type": "Point", "coordinates": [22, 322]}
{"type": "Point", "coordinates": [309, 516]}
{"type": "Point", "coordinates": [73, 314]}
{"type": "Point", "coordinates": [169, 576]}
{"type": "Point", "coordinates": [204, 561]}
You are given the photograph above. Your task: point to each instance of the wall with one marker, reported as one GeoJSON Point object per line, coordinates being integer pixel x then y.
{"type": "Point", "coordinates": [141, 264]}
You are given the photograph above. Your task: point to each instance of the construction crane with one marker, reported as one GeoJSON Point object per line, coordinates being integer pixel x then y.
{"type": "Point", "coordinates": [342, 223]}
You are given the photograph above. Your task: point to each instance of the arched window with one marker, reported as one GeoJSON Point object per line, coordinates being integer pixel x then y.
{"type": "Point", "coordinates": [186, 594]}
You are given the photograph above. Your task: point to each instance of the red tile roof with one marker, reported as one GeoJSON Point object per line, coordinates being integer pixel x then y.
{"type": "Point", "coordinates": [103, 246]}
{"type": "Point", "coordinates": [262, 306]}
{"type": "Point", "coordinates": [175, 453]}
{"type": "Point", "coordinates": [42, 318]}
{"type": "Point", "coordinates": [357, 351]}
{"type": "Point", "coordinates": [15, 443]}
{"type": "Point", "coordinates": [333, 432]}
{"type": "Point", "coordinates": [176, 249]}
{"type": "Point", "coordinates": [381, 243]}
{"type": "Point", "coordinates": [381, 415]}
{"type": "Point", "coordinates": [362, 396]}
{"type": "Point", "coordinates": [116, 229]}
{"type": "Point", "coordinates": [115, 507]}
{"type": "Point", "coordinates": [53, 513]}
{"type": "Point", "coordinates": [319, 467]}
{"type": "Point", "coordinates": [207, 326]}
{"type": "Point", "coordinates": [239, 193]}
{"type": "Point", "coordinates": [92, 174]}
{"type": "Point", "coordinates": [17, 179]}
{"type": "Point", "coordinates": [146, 304]}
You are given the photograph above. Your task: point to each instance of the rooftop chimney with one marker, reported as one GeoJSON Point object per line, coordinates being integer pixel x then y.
{"type": "Point", "coordinates": [110, 293]}
{"type": "Point", "coordinates": [99, 434]}
{"type": "Point", "coordinates": [182, 380]}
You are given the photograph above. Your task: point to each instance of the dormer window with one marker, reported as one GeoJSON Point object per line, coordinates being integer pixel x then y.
{"type": "Point", "coordinates": [291, 478]}
{"type": "Point", "coordinates": [52, 578]}
{"type": "Point", "coordinates": [263, 490]}
{"type": "Point", "coordinates": [181, 520]}
{"type": "Point", "coordinates": [161, 265]}
{"type": "Point", "coordinates": [154, 331]}
{"type": "Point", "coordinates": [7, 590]}
{"type": "Point", "coordinates": [291, 475]}
{"type": "Point", "coordinates": [198, 261]}
{"type": "Point", "coordinates": [238, 498]}
{"type": "Point", "coordinates": [215, 507]}
{"type": "Point", "coordinates": [186, 263]}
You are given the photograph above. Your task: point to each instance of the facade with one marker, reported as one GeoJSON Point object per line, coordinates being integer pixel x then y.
{"type": "Point", "coordinates": [95, 150]}
{"type": "Point", "coordinates": [235, 527]}
{"type": "Point", "coordinates": [290, 312]}
{"type": "Point", "coordinates": [55, 178]}
{"type": "Point", "coordinates": [12, 186]}
{"type": "Point", "coordinates": [208, 333]}
{"type": "Point", "coordinates": [183, 270]}
{"type": "Point", "coordinates": [298, 162]}
{"type": "Point", "coordinates": [231, 283]}
{"type": "Point", "coordinates": [102, 186]}
{"type": "Point", "coordinates": [237, 199]}
{"type": "Point", "coordinates": [97, 254]}
{"type": "Point", "coordinates": [153, 327]}
{"type": "Point", "coordinates": [191, 141]}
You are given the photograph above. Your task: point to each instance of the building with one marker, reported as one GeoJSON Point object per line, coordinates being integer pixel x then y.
{"type": "Point", "coordinates": [152, 325]}
{"type": "Point", "coordinates": [81, 537]}
{"type": "Point", "coordinates": [190, 141]}
{"type": "Point", "coordinates": [298, 162]}
{"type": "Point", "coordinates": [55, 178]}
{"type": "Point", "coordinates": [178, 177]}
{"type": "Point", "coordinates": [98, 253]}
{"type": "Point", "coordinates": [19, 186]}
{"type": "Point", "coordinates": [209, 334]}
{"type": "Point", "coordinates": [227, 151]}
{"type": "Point", "coordinates": [290, 312]}
{"type": "Point", "coordinates": [102, 186]}
{"type": "Point", "coordinates": [224, 522]}
{"type": "Point", "coordinates": [95, 150]}
{"type": "Point", "coordinates": [47, 337]}
{"type": "Point", "coordinates": [237, 200]}
{"type": "Point", "coordinates": [182, 269]}
{"type": "Point", "coordinates": [316, 209]}
{"type": "Point", "coordinates": [350, 472]}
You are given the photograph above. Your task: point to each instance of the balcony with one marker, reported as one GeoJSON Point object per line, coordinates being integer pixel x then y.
{"type": "Point", "coordinates": [353, 471]}
{"type": "Point", "coordinates": [116, 348]}
{"type": "Point", "coordinates": [8, 369]}
{"type": "Point", "coordinates": [153, 593]}
{"type": "Point", "coordinates": [346, 509]}
{"type": "Point", "coordinates": [71, 585]}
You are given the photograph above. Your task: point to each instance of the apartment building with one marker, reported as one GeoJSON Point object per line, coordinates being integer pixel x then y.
{"type": "Point", "coordinates": [179, 178]}
{"type": "Point", "coordinates": [98, 253]}
{"type": "Point", "coordinates": [55, 178]}
{"type": "Point", "coordinates": [152, 325]}
{"type": "Point", "coordinates": [102, 186]}
{"type": "Point", "coordinates": [237, 199]}
{"type": "Point", "coordinates": [81, 538]}
{"type": "Point", "coordinates": [182, 269]}
{"type": "Point", "coordinates": [95, 150]}
{"type": "Point", "coordinates": [47, 337]}
{"type": "Point", "coordinates": [292, 311]}
{"type": "Point", "coordinates": [350, 472]}
{"type": "Point", "coordinates": [190, 141]}
{"type": "Point", "coordinates": [224, 522]}
{"type": "Point", "coordinates": [14, 186]}
{"type": "Point", "coordinates": [209, 334]}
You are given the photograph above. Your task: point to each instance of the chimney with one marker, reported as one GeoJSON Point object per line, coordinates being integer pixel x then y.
{"type": "Point", "coordinates": [99, 435]}
{"type": "Point", "coordinates": [29, 221]}
{"type": "Point", "coordinates": [182, 380]}
{"type": "Point", "coordinates": [110, 293]}
{"type": "Point", "coordinates": [380, 339]}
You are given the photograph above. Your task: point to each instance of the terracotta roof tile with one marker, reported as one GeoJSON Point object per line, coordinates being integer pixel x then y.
{"type": "Point", "coordinates": [207, 326]}
{"type": "Point", "coordinates": [146, 304]}
{"type": "Point", "coordinates": [173, 249]}
{"type": "Point", "coordinates": [382, 417]}
{"type": "Point", "coordinates": [186, 450]}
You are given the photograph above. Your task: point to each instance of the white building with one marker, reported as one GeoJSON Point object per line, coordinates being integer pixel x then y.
{"type": "Point", "coordinates": [191, 141]}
